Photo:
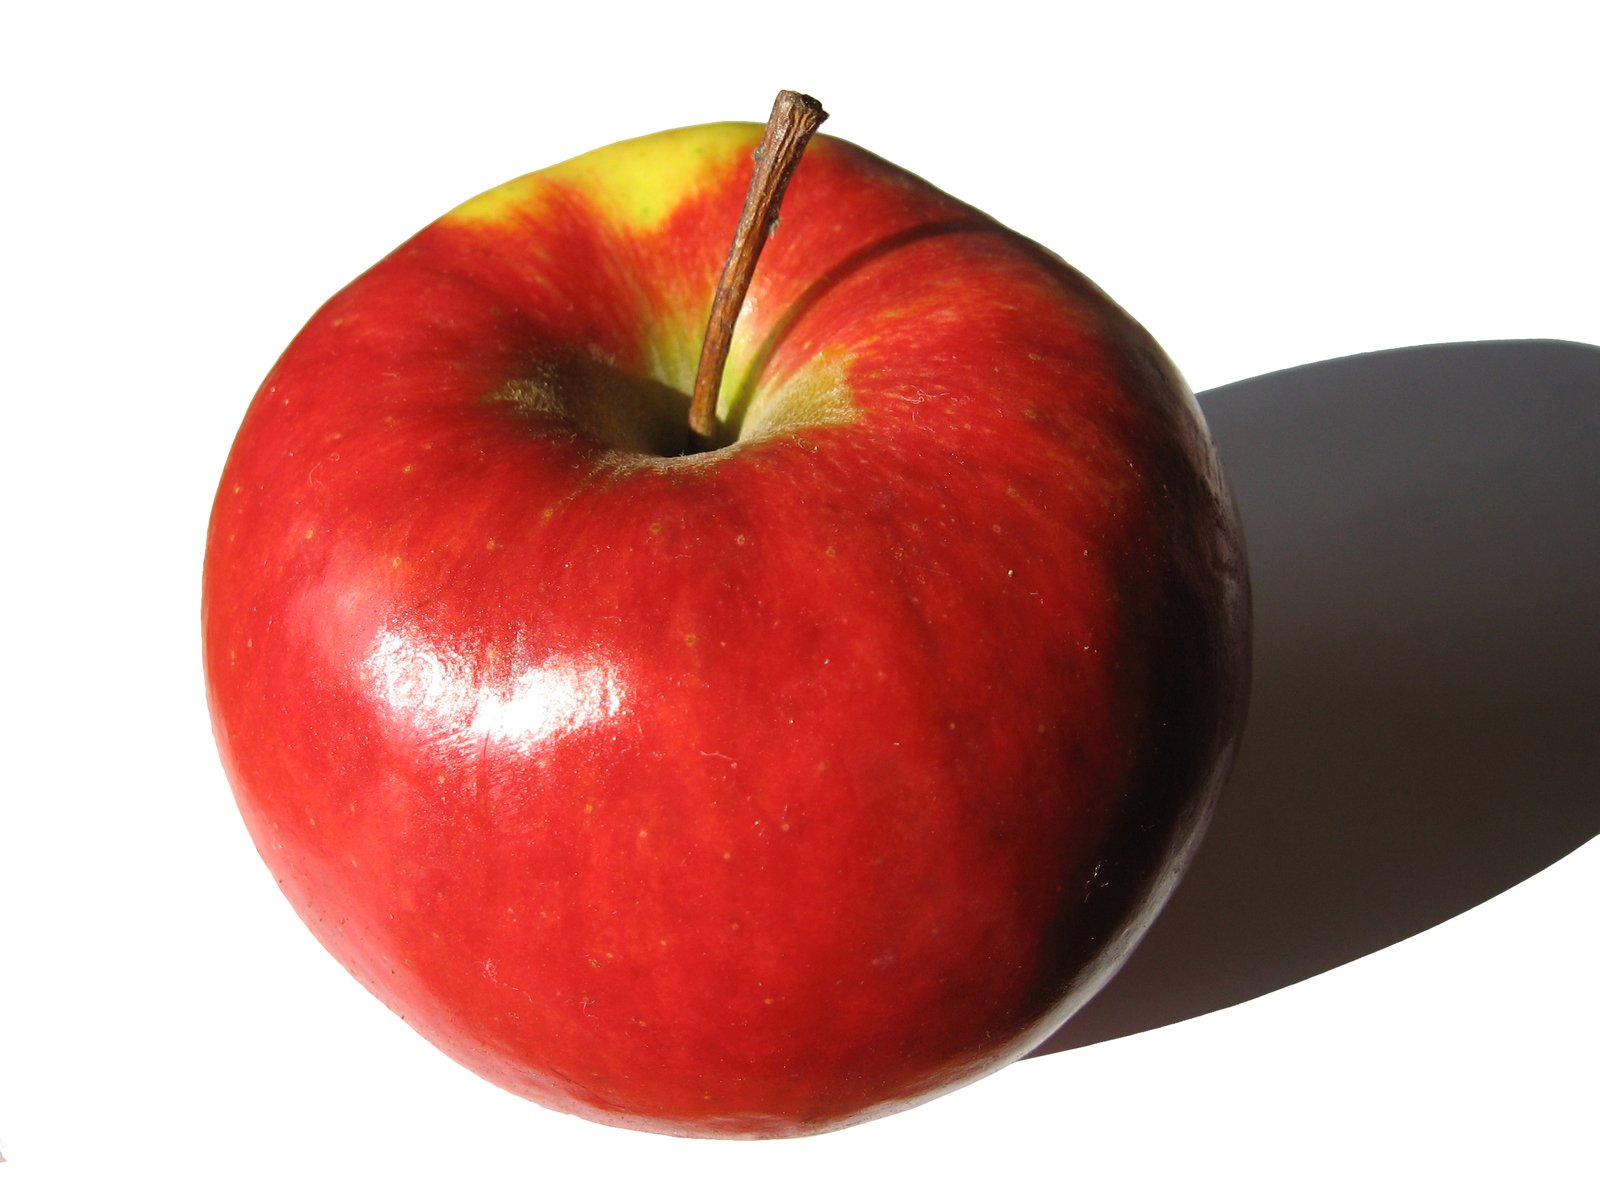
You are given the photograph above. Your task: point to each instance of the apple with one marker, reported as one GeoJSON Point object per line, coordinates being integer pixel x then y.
{"type": "Point", "coordinates": [757, 789]}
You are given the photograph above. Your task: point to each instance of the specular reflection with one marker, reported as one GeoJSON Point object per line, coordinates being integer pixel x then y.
{"type": "Point", "coordinates": [447, 693]}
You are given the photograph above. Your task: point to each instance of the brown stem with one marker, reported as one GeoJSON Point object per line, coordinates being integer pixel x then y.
{"type": "Point", "coordinates": [794, 119]}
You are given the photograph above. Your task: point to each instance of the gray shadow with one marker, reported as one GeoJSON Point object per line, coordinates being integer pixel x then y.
{"type": "Point", "coordinates": [1424, 536]}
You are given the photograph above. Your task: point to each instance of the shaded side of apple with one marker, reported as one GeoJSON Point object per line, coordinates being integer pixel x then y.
{"type": "Point", "coordinates": [753, 792]}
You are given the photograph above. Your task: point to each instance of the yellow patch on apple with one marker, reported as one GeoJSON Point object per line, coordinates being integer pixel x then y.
{"type": "Point", "coordinates": [635, 184]}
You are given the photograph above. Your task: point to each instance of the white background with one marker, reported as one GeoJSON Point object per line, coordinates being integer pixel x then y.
{"type": "Point", "coordinates": [1261, 186]}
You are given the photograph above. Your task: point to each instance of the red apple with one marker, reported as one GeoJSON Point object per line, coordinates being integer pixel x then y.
{"type": "Point", "coordinates": [756, 791]}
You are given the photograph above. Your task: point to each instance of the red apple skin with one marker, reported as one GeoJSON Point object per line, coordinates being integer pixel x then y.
{"type": "Point", "coordinates": [751, 793]}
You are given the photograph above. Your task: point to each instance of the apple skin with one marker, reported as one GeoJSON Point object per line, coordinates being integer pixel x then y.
{"type": "Point", "coordinates": [750, 793]}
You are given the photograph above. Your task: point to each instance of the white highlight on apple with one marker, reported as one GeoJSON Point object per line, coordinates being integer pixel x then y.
{"type": "Point", "coordinates": [436, 687]}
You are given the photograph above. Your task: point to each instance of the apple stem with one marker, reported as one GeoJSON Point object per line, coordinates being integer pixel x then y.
{"type": "Point", "coordinates": [794, 119]}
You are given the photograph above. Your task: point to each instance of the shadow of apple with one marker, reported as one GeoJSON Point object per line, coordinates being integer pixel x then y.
{"type": "Point", "coordinates": [1424, 535]}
